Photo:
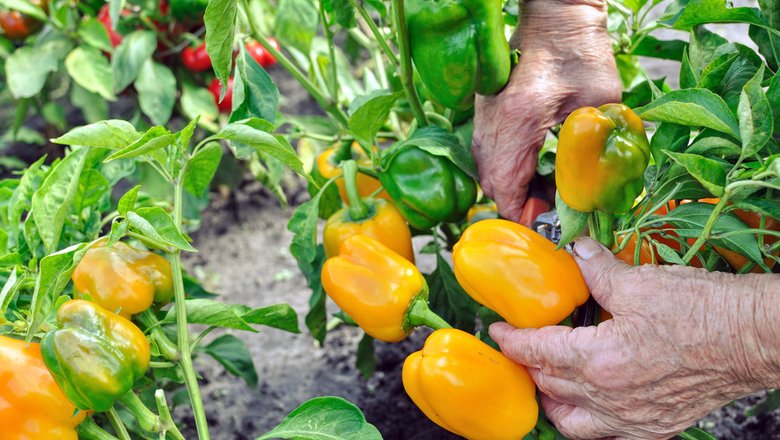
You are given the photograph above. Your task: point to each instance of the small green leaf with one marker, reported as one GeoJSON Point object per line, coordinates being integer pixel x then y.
{"type": "Point", "coordinates": [156, 224]}
{"type": "Point", "coordinates": [153, 140]}
{"type": "Point", "coordinates": [118, 230]}
{"type": "Point", "coordinates": [201, 168]}
{"type": "Point", "coordinates": [708, 172]}
{"type": "Point", "coordinates": [113, 133]}
{"type": "Point", "coordinates": [127, 201]}
{"type": "Point", "coordinates": [93, 33]}
{"type": "Point", "coordinates": [27, 68]}
{"type": "Point", "coordinates": [233, 354]}
{"type": "Point", "coordinates": [448, 299]}
{"type": "Point", "coordinates": [325, 418]}
{"type": "Point", "coordinates": [220, 21]}
{"type": "Point", "coordinates": [573, 222]}
{"type": "Point", "coordinates": [439, 142]}
{"type": "Point", "coordinates": [296, 23]}
{"type": "Point", "coordinates": [368, 114]}
{"type": "Point", "coordinates": [130, 56]}
{"type": "Point", "coordinates": [247, 133]}
{"type": "Point", "coordinates": [254, 93]}
{"type": "Point", "coordinates": [755, 116]}
{"type": "Point", "coordinates": [90, 69]}
{"type": "Point", "coordinates": [156, 88]}
{"type": "Point", "coordinates": [199, 102]}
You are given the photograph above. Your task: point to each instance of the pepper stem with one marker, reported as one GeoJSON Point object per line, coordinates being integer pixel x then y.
{"type": "Point", "coordinates": [420, 314]}
{"type": "Point", "coordinates": [407, 72]}
{"type": "Point", "coordinates": [89, 430]}
{"type": "Point", "coordinates": [358, 210]}
{"type": "Point", "coordinates": [168, 348]}
{"type": "Point", "coordinates": [147, 420]}
{"type": "Point", "coordinates": [343, 152]}
{"type": "Point", "coordinates": [600, 226]}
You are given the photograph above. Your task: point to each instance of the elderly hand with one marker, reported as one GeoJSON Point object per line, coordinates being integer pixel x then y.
{"type": "Point", "coordinates": [682, 343]}
{"type": "Point", "coordinates": [566, 62]}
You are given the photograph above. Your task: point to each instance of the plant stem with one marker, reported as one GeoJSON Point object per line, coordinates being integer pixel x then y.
{"type": "Point", "coordinates": [330, 107]}
{"type": "Point", "coordinates": [185, 360]}
{"type": "Point", "coordinates": [89, 430]}
{"type": "Point", "coordinates": [358, 209]}
{"type": "Point", "coordinates": [116, 422]}
{"type": "Point", "coordinates": [168, 348]}
{"type": "Point", "coordinates": [605, 233]}
{"type": "Point", "coordinates": [380, 39]}
{"type": "Point", "coordinates": [407, 72]}
{"type": "Point", "coordinates": [147, 420]}
{"type": "Point", "coordinates": [420, 314]}
{"type": "Point", "coordinates": [334, 80]}
{"type": "Point", "coordinates": [705, 233]}
{"type": "Point", "coordinates": [166, 421]}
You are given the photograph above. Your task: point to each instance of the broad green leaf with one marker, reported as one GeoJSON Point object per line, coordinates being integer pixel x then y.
{"type": "Point", "coordinates": [279, 316]}
{"type": "Point", "coordinates": [201, 168]}
{"type": "Point", "coordinates": [246, 133]}
{"type": "Point", "coordinates": [325, 418]}
{"type": "Point", "coordinates": [708, 172]}
{"type": "Point", "coordinates": [153, 140]}
{"type": "Point", "coordinates": [702, 48]}
{"type": "Point", "coordinates": [127, 201]}
{"type": "Point", "coordinates": [90, 69]}
{"type": "Point", "coordinates": [694, 108]}
{"type": "Point", "coordinates": [685, 14]}
{"type": "Point", "coordinates": [220, 19]}
{"type": "Point", "coordinates": [156, 224]}
{"type": "Point", "coordinates": [439, 142]}
{"type": "Point", "coordinates": [130, 56]}
{"type": "Point", "coordinates": [296, 23]}
{"type": "Point", "coordinates": [199, 102]}
{"type": "Point", "coordinates": [233, 354]}
{"type": "Point", "coordinates": [254, 93]}
{"type": "Point", "coordinates": [51, 203]}
{"type": "Point", "coordinates": [94, 34]}
{"type": "Point", "coordinates": [368, 114]}
{"type": "Point", "coordinates": [649, 46]}
{"type": "Point", "coordinates": [448, 299]}
{"type": "Point", "coordinates": [92, 187]}
{"type": "Point", "coordinates": [573, 222]}
{"type": "Point", "coordinates": [341, 12]}
{"type": "Point", "coordinates": [27, 68]}
{"type": "Point", "coordinates": [755, 116]}
{"type": "Point", "coordinates": [113, 133]}
{"type": "Point", "coordinates": [156, 88]}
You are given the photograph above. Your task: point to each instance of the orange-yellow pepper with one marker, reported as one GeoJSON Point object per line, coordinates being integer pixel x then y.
{"type": "Point", "coordinates": [123, 279]}
{"type": "Point", "coordinates": [517, 273]}
{"type": "Point", "coordinates": [374, 286]}
{"type": "Point", "coordinates": [628, 253]}
{"type": "Point", "coordinates": [468, 388]}
{"type": "Point", "coordinates": [328, 167]}
{"type": "Point", "coordinates": [32, 406]}
{"type": "Point", "coordinates": [602, 156]}
{"type": "Point", "coordinates": [384, 224]}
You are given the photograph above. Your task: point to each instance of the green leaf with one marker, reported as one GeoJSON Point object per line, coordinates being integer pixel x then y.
{"type": "Point", "coordinates": [448, 299]}
{"type": "Point", "coordinates": [697, 12]}
{"type": "Point", "coordinates": [93, 186]}
{"type": "Point", "coordinates": [220, 19]}
{"type": "Point", "coordinates": [694, 433]}
{"type": "Point", "coordinates": [90, 69]}
{"type": "Point", "coordinates": [130, 56]}
{"type": "Point", "coordinates": [113, 133]}
{"type": "Point", "coordinates": [670, 137]}
{"type": "Point", "coordinates": [26, 8]}
{"type": "Point", "coordinates": [156, 88]}
{"type": "Point", "coordinates": [280, 316]}
{"type": "Point", "coordinates": [343, 12]}
{"type": "Point", "coordinates": [154, 139]}
{"type": "Point", "coordinates": [247, 133]}
{"type": "Point", "coordinates": [127, 201]}
{"type": "Point", "coordinates": [199, 102]}
{"type": "Point", "coordinates": [688, 78]}
{"type": "Point", "coordinates": [92, 105]}
{"type": "Point", "coordinates": [365, 359]}
{"type": "Point", "coordinates": [296, 23]}
{"type": "Point", "coordinates": [649, 46]}
{"type": "Point", "coordinates": [762, 206]}
{"type": "Point", "coordinates": [325, 418]}
{"type": "Point", "coordinates": [668, 254]}
{"type": "Point", "coordinates": [440, 142]}
{"type": "Point", "coordinates": [51, 203]}
{"type": "Point", "coordinates": [692, 107]}
{"type": "Point", "coordinates": [368, 114]}
{"type": "Point", "coordinates": [201, 168]}
{"type": "Point", "coordinates": [27, 68]}
{"type": "Point", "coordinates": [708, 172]}
{"type": "Point", "coordinates": [156, 224]}
{"type": "Point", "coordinates": [53, 276]}
{"type": "Point", "coordinates": [94, 34]}
{"type": "Point", "coordinates": [254, 93]}
{"type": "Point", "coordinates": [119, 228]}
{"type": "Point", "coordinates": [11, 286]}
{"type": "Point", "coordinates": [238, 317]}
{"type": "Point", "coordinates": [233, 354]}
{"type": "Point", "coordinates": [755, 116]}
{"type": "Point", "coordinates": [573, 222]}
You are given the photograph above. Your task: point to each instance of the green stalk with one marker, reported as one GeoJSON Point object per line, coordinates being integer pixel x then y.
{"type": "Point", "coordinates": [380, 39]}
{"type": "Point", "coordinates": [605, 234]}
{"type": "Point", "coordinates": [89, 430]}
{"type": "Point", "coordinates": [147, 420]}
{"type": "Point", "coordinates": [185, 361]}
{"type": "Point", "coordinates": [330, 107]}
{"type": "Point", "coordinates": [344, 152]}
{"type": "Point", "coordinates": [358, 209]}
{"type": "Point", "coordinates": [705, 233]}
{"type": "Point", "coordinates": [420, 314]}
{"type": "Point", "coordinates": [407, 72]}
{"type": "Point", "coordinates": [168, 348]}
{"type": "Point", "coordinates": [116, 422]}
{"type": "Point", "coordinates": [166, 421]}
{"type": "Point", "coordinates": [334, 80]}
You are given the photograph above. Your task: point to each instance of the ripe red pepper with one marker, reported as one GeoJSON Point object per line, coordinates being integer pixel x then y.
{"type": "Point", "coordinates": [196, 59]}
{"type": "Point", "coordinates": [534, 206]}
{"type": "Point", "coordinates": [104, 17]}
{"type": "Point", "coordinates": [18, 26]}
{"type": "Point", "coordinates": [261, 54]}
{"type": "Point", "coordinates": [226, 106]}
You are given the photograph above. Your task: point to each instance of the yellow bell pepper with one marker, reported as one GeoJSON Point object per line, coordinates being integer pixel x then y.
{"type": "Point", "coordinates": [328, 168]}
{"type": "Point", "coordinates": [374, 286]}
{"type": "Point", "coordinates": [517, 273]}
{"type": "Point", "coordinates": [32, 406]}
{"type": "Point", "coordinates": [468, 388]}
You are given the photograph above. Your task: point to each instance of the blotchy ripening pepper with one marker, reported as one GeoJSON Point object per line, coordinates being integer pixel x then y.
{"type": "Point", "coordinates": [94, 355]}
{"type": "Point", "coordinates": [31, 404]}
{"type": "Point", "coordinates": [459, 48]}
{"type": "Point", "coordinates": [518, 274]}
{"type": "Point", "coordinates": [601, 159]}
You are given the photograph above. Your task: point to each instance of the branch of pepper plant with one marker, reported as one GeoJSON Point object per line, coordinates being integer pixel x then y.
{"type": "Point", "coordinates": [380, 38]}
{"type": "Point", "coordinates": [329, 106]}
{"type": "Point", "coordinates": [407, 72]}
{"type": "Point", "coordinates": [334, 79]}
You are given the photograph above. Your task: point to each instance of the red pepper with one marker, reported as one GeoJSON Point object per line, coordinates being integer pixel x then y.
{"type": "Point", "coordinates": [226, 106]}
{"type": "Point", "coordinates": [196, 59]}
{"type": "Point", "coordinates": [533, 207]}
{"type": "Point", "coordinates": [105, 18]}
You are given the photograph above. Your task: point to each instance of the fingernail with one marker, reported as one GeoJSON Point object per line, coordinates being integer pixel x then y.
{"type": "Point", "coordinates": [498, 329]}
{"type": "Point", "coordinates": [586, 248]}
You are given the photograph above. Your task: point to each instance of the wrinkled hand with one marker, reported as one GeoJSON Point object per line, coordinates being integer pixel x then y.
{"type": "Point", "coordinates": [682, 343]}
{"type": "Point", "coordinates": [566, 62]}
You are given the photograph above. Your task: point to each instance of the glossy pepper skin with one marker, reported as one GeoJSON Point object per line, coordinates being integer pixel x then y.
{"type": "Point", "coordinates": [226, 105]}
{"type": "Point", "coordinates": [602, 156]}
{"type": "Point", "coordinates": [459, 48]}
{"type": "Point", "coordinates": [628, 253]}
{"type": "Point", "coordinates": [468, 388]}
{"type": "Point", "coordinates": [374, 286]}
{"type": "Point", "coordinates": [31, 404]}
{"type": "Point", "coordinates": [517, 273]}
{"type": "Point", "coordinates": [328, 168]}
{"type": "Point", "coordinates": [426, 188]}
{"type": "Point", "coordinates": [196, 59]}
{"type": "Point", "coordinates": [123, 279]}
{"type": "Point", "coordinates": [385, 225]}
{"type": "Point", "coordinates": [94, 355]}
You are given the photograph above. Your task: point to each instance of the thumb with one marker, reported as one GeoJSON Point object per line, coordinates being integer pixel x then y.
{"type": "Point", "coordinates": [602, 271]}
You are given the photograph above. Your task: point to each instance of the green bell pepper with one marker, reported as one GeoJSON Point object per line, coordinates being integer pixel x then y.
{"type": "Point", "coordinates": [459, 48]}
